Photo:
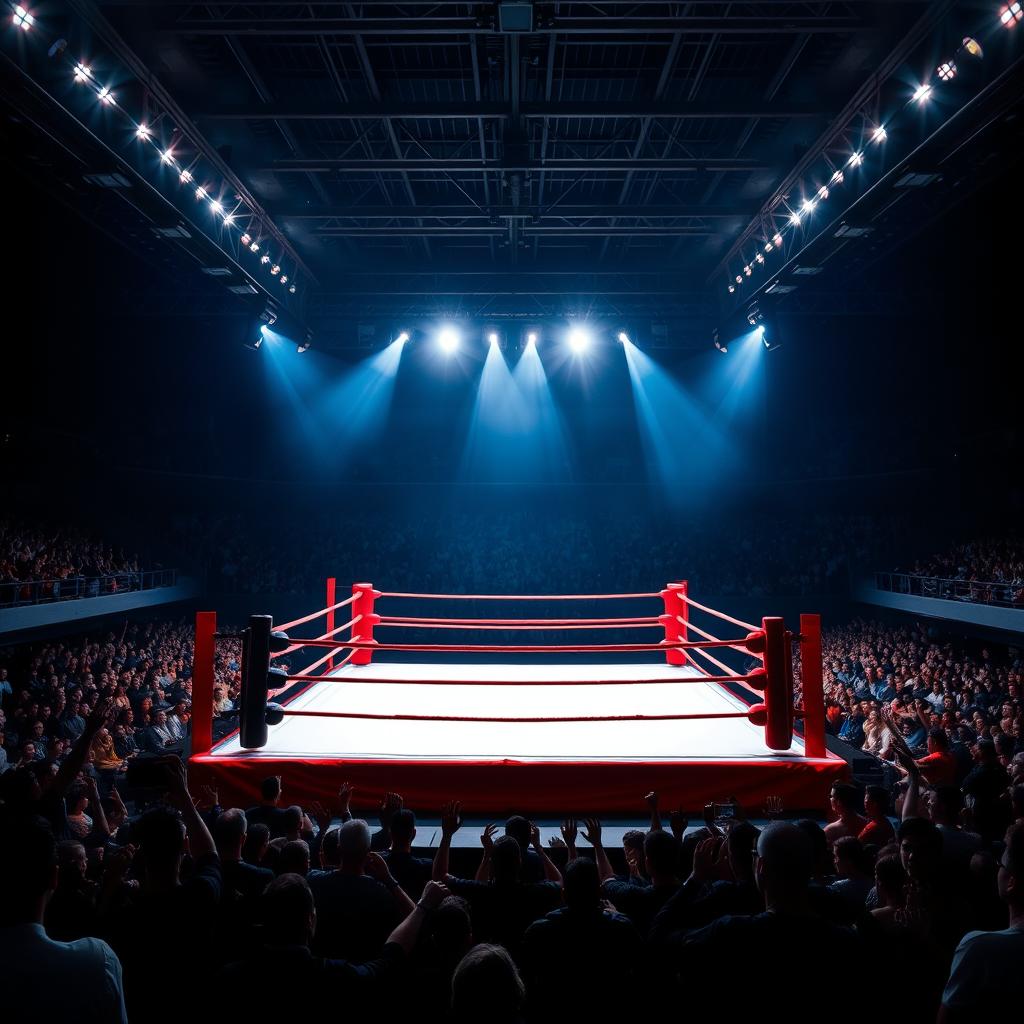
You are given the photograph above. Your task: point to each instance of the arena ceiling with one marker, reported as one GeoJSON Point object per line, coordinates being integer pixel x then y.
{"type": "Point", "coordinates": [510, 159]}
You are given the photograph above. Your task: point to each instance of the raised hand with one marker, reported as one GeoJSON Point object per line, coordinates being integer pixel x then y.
{"type": "Point", "coordinates": [678, 821]}
{"type": "Point", "coordinates": [534, 835]}
{"type": "Point", "coordinates": [389, 807]}
{"type": "Point", "coordinates": [487, 837]}
{"type": "Point", "coordinates": [321, 815]}
{"type": "Point", "coordinates": [344, 797]}
{"type": "Point", "coordinates": [704, 857]}
{"type": "Point", "coordinates": [651, 799]}
{"type": "Point", "coordinates": [593, 831]}
{"type": "Point", "coordinates": [569, 832]}
{"type": "Point", "coordinates": [772, 807]}
{"type": "Point", "coordinates": [433, 894]}
{"type": "Point", "coordinates": [451, 818]}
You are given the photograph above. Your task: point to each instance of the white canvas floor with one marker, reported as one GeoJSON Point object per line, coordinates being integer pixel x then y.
{"type": "Point", "coordinates": [716, 739]}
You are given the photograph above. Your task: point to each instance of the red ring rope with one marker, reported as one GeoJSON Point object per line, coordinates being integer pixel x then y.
{"type": "Point", "coordinates": [316, 615]}
{"type": "Point", "coordinates": [519, 597]}
{"type": "Point", "coordinates": [712, 611]}
{"type": "Point", "coordinates": [733, 678]}
{"type": "Point", "coordinates": [710, 636]}
{"type": "Point", "coordinates": [511, 624]}
{"type": "Point", "coordinates": [460, 718]}
{"type": "Point", "coordinates": [324, 636]}
{"type": "Point", "coordinates": [520, 649]}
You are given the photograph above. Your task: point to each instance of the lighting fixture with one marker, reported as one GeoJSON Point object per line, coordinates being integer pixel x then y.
{"type": "Point", "coordinates": [1008, 16]}
{"type": "Point", "coordinates": [922, 92]}
{"type": "Point", "coordinates": [946, 71]}
{"type": "Point", "coordinates": [143, 131]}
{"type": "Point", "coordinates": [22, 19]}
{"type": "Point", "coordinates": [777, 239]}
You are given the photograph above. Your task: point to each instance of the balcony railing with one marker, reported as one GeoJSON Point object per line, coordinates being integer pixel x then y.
{"type": "Point", "coordinates": [75, 588]}
{"type": "Point", "coordinates": [1007, 595]}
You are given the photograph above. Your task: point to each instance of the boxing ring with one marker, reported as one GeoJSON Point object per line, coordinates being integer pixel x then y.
{"type": "Point", "coordinates": [547, 728]}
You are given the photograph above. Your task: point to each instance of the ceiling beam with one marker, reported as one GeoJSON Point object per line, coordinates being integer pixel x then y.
{"type": "Point", "coordinates": [622, 165]}
{"type": "Point", "coordinates": [465, 211]}
{"type": "Point", "coordinates": [387, 110]}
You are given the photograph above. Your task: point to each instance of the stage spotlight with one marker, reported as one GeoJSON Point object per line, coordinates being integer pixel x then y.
{"type": "Point", "coordinates": [167, 156]}
{"type": "Point", "coordinates": [284, 279]}
{"type": "Point", "coordinates": [777, 239]}
{"type": "Point", "coordinates": [1011, 14]}
{"type": "Point", "coordinates": [739, 280]}
{"type": "Point", "coordinates": [264, 258]}
{"type": "Point", "coordinates": [185, 177]}
{"type": "Point", "coordinates": [946, 71]}
{"type": "Point", "coordinates": [531, 338]}
{"type": "Point", "coordinates": [748, 270]}
{"type": "Point", "coordinates": [246, 238]}
{"type": "Point", "coordinates": [255, 247]}
{"type": "Point", "coordinates": [229, 219]}
{"type": "Point", "coordinates": [579, 340]}
{"type": "Point", "coordinates": [879, 134]}
{"type": "Point", "coordinates": [755, 317]}
{"type": "Point", "coordinates": [794, 219]}
{"type": "Point", "coordinates": [306, 342]}
{"type": "Point", "coordinates": [836, 179]}
{"type": "Point", "coordinates": [823, 192]}
{"type": "Point", "coordinates": [808, 205]}
{"type": "Point", "coordinates": [291, 288]}
{"type": "Point", "coordinates": [922, 92]}
{"type": "Point", "coordinates": [448, 340]}
{"type": "Point", "coordinates": [143, 131]}
{"type": "Point", "coordinates": [624, 338]}
{"type": "Point", "coordinates": [492, 338]}
{"type": "Point", "coordinates": [719, 343]}
{"type": "Point", "coordinates": [105, 95]}
{"type": "Point", "coordinates": [275, 270]}
{"type": "Point", "coordinates": [759, 257]}
{"type": "Point", "coordinates": [217, 206]}
{"type": "Point", "coordinates": [22, 19]}
{"type": "Point", "coordinates": [973, 47]}
{"type": "Point", "coordinates": [402, 338]}
{"type": "Point", "coordinates": [201, 194]}
{"type": "Point", "coordinates": [82, 73]}
{"type": "Point", "coordinates": [732, 289]}
{"type": "Point", "coordinates": [856, 159]}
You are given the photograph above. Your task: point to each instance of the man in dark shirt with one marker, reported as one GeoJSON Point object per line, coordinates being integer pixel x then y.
{"type": "Point", "coordinates": [640, 903]}
{"type": "Point", "coordinates": [986, 786]}
{"type": "Point", "coordinates": [267, 812]}
{"type": "Point", "coordinates": [504, 907]}
{"type": "Point", "coordinates": [788, 932]}
{"type": "Point", "coordinates": [412, 873]}
{"type": "Point", "coordinates": [567, 949]}
{"type": "Point", "coordinates": [243, 880]}
{"type": "Point", "coordinates": [266, 985]}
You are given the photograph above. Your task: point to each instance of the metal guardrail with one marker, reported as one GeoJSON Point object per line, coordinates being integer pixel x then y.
{"type": "Point", "coordinates": [16, 593]}
{"type": "Point", "coordinates": [1007, 595]}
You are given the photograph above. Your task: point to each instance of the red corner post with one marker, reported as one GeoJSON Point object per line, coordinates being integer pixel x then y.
{"type": "Point", "coordinates": [813, 688]}
{"type": "Point", "coordinates": [331, 587]}
{"type": "Point", "coordinates": [675, 631]}
{"type": "Point", "coordinates": [202, 683]}
{"type": "Point", "coordinates": [778, 690]}
{"type": "Point", "coordinates": [363, 629]}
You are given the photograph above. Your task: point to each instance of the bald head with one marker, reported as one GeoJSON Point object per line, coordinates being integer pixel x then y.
{"type": "Point", "coordinates": [785, 859]}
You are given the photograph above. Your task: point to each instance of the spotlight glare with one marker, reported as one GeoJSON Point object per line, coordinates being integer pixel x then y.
{"type": "Point", "coordinates": [768, 246]}
{"type": "Point", "coordinates": [624, 337]}
{"type": "Point", "coordinates": [1011, 14]}
{"type": "Point", "coordinates": [794, 219]}
{"type": "Point", "coordinates": [732, 288]}
{"type": "Point", "coordinates": [402, 338]}
{"type": "Point", "coordinates": [922, 92]}
{"type": "Point", "coordinates": [492, 338]}
{"type": "Point", "coordinates": [284, 279]}
{"type": "Point", "coordinates": [185, 177]}
{"type": "Point", "coordinates": [836, 179]}
{"type": "Point", "coordinates": [275, 270]}
{"type": "Point", "coordinates": [879, 134]}
{"type": "Point", "coordinates": [82, 72]}
{"type": "Point", "coordinates": [777, 239]}
{"type": "Point", "coordinates": [22, 19]}
{"type": "Point", "coordinates": [167, 156]}
{"type": "Point", "coordinates": [448, 340]}
{"type": "Point", "coordinates": [216, 206]}
{"type": "Point", "coordinates": [808, 205]}
{"type": "Point", "coordinates": [246, 238]}
{"type": "Point", "coordinates": [748, 270]}
{"type": "Point", "coordinates": [856, 159]}
{"type": "Point", "coordinates": [739, 280]}
{"type": "Point", "coordinates": [264, 258]}
{"type": "Point", "coordinates": [823, 192]}
{"type": "Point", "coordinates": [531, 338]}
{"type": "Point", "coordinates": [759, 257]}
{"type": "Point", "coordinates": [255, 247]}
{"type": "Point", "coordinates": [291, 288]}
{"type": "Point", "coordinates": [201, 194]}
{"type": "Point", "coordinates": [229, 218]}
{"type": "Point", "coordinates": [946, 71]}
{"type": "Point", "coordinates": [143, 132]}
{"type": "Point", "coordinates": [105, 95]}
{"type": "Point", "coordinates": [579, 340]}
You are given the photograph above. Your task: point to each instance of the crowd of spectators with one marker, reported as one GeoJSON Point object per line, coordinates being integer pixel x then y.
{"type": "Point", "coordinates": [988, 570]}
{"type": "Point", "coordinates": [59, 560]}
{"type": "Point", "coordinates": [518, 549]}
{"type": "Point", "coordinates": [938, 694]}
{"type": "Point", "coordinates": [184, 906]}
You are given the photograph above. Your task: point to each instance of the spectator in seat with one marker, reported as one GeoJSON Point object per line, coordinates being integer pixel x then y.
{"type": "Point", "coordinates": [358, 900]}
{"type": "Point", "coordinates": [984, 981]}
{"type": "Point", "coordinates": [503, 906]}
{"type": "Point", "coordinates": [51, 980]}
{"type": "Point", "coordinates": [293, 858]}
{"type": "Point", "coordinates": [566, 949]}
{"type": "Point", "coordinates": [939, 766]}
{"type": "Point", "coordinates": [449, 937]}
{"type": "Point", "coordinates": [985, 786]}
{"type": "Point", "coordinates": [412, 873]}
{"type": "Point", "coordinates": [487, 977]}
{"type": "Point", "coordinates": [890, 891]}
{"type": "Point", "coordinates": [230, 831]}
{"type": "Point", "coordinates": [878, 831]}
{"type": "Point", "coordinates": [267, 812]}
{"type": "Point", "coordinates": [846, 804]}
{"type": "Point", "coordinates": [519, 829]}
{"type": "Point", "coordinates": [854, 872]}
{"type": "Point", "coordinates": [958, 844]}
{"type": "Point", "coordinates": [787, 932]}
{"type": "Point", "coordinates": [661, 862]}
{"type": "Point", "coordinates": [71, 912]}
{"type": "Point", "coordinates": [256, 845]}
{"type": "Point", "coordinates": [267, 984]}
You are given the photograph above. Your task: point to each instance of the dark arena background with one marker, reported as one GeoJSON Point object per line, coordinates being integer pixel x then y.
{"type": "Point", "coordinates": [511, 509]}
